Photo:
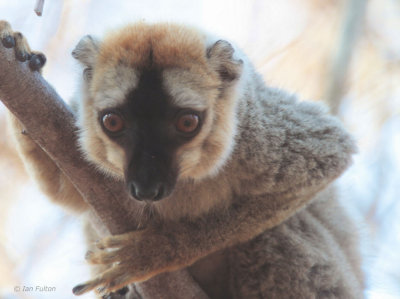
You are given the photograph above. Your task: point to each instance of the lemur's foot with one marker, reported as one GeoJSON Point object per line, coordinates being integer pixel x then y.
{"type": "Point", "coordinates": [131, 257]}
{"type": "Point", "coordinates": [12, 39]}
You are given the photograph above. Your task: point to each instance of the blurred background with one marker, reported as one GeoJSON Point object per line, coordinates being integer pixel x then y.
{"type": "Point", "coordinates": [345, 53]}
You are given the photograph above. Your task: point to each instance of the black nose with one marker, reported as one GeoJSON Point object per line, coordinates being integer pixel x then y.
{"type": "Point", "coordinates": [154, 193]}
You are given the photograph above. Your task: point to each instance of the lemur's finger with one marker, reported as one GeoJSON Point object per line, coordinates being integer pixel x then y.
{"type": "Point", "coordinates": [109, 281]}
{"type": "Point", "coordinates": [37, 61]}
{"type": "Point", "coordinates": [22, 49]}
{"type": "Point", "coordinates": [99, 283]}
{"type": "Point", "coordinates": [83, 288]}
{"type": "Point", "coordinates": [110, 242]}
{"type": "Point", "coordinates": [102, 257]}
{"type": "Point", "coordinates": [117, 294]}
{"type": "Point", "coordinates": [6, 35]}
{"type": "Point", "coordinates": [118, 240]}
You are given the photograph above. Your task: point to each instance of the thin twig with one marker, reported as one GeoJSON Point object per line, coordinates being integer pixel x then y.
{"type": "Point", "coordinates": [39, 7]}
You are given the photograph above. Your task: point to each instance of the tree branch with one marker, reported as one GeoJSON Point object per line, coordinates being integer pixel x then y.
{"type": "Point", "coordinates": [50, 123]}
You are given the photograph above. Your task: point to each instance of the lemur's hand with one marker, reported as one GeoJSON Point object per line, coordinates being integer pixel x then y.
{"type": "Point", "coordinates": [134, 257]}
{"type": "Point", "coordinates": [16, 40]}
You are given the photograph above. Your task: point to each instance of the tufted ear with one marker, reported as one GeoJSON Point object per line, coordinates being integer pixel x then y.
{"type": "Point", "coordinates": [86, 53]}
{"type": "Point", "coordinates": [221, 58]}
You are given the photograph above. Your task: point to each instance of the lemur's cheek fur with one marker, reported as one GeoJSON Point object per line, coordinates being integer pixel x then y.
{"type": "Point", "coordinates": [189, 164]}
{"type": "Point", "coordinates": [116, 158]}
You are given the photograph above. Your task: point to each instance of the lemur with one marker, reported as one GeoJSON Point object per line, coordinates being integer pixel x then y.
{"type": "Point", "coordinates": [235, 177]}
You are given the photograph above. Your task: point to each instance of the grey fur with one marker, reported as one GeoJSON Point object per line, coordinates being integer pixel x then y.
{"type": "Point", "coordinates": [287, 149]}
{"type": "Point", "coordinates": [86, 53]}
{"type": "Point", "coordinates": [86, 50]}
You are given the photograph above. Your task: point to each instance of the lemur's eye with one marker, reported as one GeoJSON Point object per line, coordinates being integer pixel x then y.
{"type": "Point", "coordinates": [113, 122]}
{"type": "Point", "coordinates": [187, 123]}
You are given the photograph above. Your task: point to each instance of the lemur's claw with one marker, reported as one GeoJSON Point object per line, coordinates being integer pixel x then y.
{"type": "Point", "coordinates": [80, 289]}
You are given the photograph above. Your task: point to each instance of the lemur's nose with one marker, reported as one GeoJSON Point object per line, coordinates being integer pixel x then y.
{"type": "Point", "coordinates": [154, 192]}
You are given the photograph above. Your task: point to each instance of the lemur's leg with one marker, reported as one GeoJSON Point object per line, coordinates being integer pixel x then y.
{"type": "Point", "coordinates": [39, 165]}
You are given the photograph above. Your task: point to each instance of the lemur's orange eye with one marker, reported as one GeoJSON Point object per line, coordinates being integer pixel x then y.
{"type": "Point", "coordinates": [187, 123]}
{"type": "Point", "coordinates": [113, 123]}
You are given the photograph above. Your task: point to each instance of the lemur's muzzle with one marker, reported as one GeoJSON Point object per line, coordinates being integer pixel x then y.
{"type": "Point", "coordinates": [149, 177]}
{"type": "Point", "coordinates": [141, 192]}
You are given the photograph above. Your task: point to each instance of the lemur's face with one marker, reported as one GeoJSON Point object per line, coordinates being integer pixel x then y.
{"type": "Point", "coordinates": [152, 135]}
{"type": "Point", "coordinates": [158, 107]}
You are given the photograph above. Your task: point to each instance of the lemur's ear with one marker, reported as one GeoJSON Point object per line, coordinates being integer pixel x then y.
{"type": "Point", "coordinates": [86, 53]}
{"type": "Point", "coordinates": [221, 58]}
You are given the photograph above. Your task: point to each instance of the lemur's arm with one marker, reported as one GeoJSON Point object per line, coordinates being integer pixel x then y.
{"type": "Point", "coordinates": [140, 255]}
{"type": "Point", "coordinates": [50, 178]}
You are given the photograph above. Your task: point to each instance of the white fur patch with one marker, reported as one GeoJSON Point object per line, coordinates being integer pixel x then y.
{"type": "Point", "coordinates": [114, 86]}
{"type": "Point", "coordinates": [182, 95]}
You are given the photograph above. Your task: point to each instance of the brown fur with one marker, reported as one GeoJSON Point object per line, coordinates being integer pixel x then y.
{"type": "Point", "coordinates": [253, 213]}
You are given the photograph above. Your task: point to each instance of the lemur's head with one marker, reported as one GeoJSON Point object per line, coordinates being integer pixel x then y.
{"type": "Point", "coordinates": [158, 105]}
